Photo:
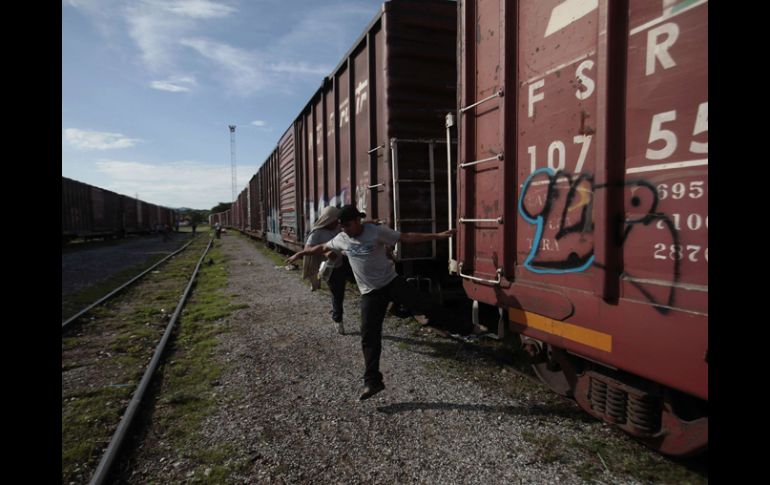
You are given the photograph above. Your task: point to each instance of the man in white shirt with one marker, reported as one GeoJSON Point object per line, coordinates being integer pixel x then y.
{"type": "Point", "coordinates": [375, 273]}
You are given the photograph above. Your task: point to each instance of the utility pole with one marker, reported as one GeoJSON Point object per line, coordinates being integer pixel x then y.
{"type": "Point", "coordinates": [232, 158]}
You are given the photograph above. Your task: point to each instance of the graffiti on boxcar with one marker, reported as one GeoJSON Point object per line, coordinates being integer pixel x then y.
{"type": "Point", "coordinates": [362, 191]}
{"type": "Point", "coordinates": [651, 215]}
{"type": "Point", "coordinates": [272, 221]}
{"type": "Point", "coordinates": [561, 207]}
{"type": "Point", "coordinates": [314, 210]}
{"type": "Point", "coordinates": [543, 212]}
{"type": "Point", "coordinates": [289, 224]}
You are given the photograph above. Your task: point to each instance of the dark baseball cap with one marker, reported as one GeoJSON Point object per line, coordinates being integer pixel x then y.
{"type": "Point", "coordinates": [348, 213]}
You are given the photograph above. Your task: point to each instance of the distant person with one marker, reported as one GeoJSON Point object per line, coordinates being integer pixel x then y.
{"type": "Point", "coordinates": [218, 230]}
{"type": "Point", "coordinates": [166, 232]}
{"type": "Point", "coordinates": [194, 226]}
{"type": "Point", "coordinates": [338, 269]}
{"type": "Point", "coordinates": [378, 282]}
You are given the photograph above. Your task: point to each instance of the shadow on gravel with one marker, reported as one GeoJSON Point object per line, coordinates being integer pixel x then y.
{"type": "Point", "coordinates": [446, 348]}
{"type": "Point", "coordinates": [529, 410]}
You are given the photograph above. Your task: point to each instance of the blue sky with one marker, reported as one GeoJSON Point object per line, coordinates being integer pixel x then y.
{"type": "Point", "coordinates": [150, 86]}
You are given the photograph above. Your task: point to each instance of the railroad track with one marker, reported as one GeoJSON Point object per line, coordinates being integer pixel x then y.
{"type": "Point", "coordinates": [125, 285]}
{"type": "Point", "coordinates": [101, 362]}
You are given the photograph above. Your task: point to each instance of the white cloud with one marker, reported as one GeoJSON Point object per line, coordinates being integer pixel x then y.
{"type": "Point", "coordinates": [300, 68]}
{"type": "Point", "coordinates": [202, 9]}
{"type": "Point", "coordinates": [155, 32]}
{"type": "Point", "coordinates": [175, 84]}
{"type": "Point", "coordinates": [164, 31]}
{"type": "Point", "coordinates": [245, 72]}
{"type": "Point", "coordinates": [258, 123]}
{"type": "Point", "coordinates": [156, 27]}
{"type": "Point", "coordinates": [97, 140]}
{"type": "Point", "coordinates": [177, 184]}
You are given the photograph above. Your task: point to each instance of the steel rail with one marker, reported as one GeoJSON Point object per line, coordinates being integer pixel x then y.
{"type": "Point", "coordinates": [117, 290]}
{"type": "Point", "coordinates": [111, 453]}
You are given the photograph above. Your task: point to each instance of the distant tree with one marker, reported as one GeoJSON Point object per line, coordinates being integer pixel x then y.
{"type": "Point", "coordinates": [196, 217]}
{"type": "Point", "coordinates": [221, 207]}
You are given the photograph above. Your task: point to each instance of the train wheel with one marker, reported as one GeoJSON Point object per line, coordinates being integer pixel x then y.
{"type": "Point", "coordinates": [555, 370]}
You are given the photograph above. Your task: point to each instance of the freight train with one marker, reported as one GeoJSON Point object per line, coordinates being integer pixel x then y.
{"type": "Point", "coordinates": [578, 185]}
{"type": "Point", "coordinates": [91, 212]}
{"type": "Point", "coordinates": [373, 135]}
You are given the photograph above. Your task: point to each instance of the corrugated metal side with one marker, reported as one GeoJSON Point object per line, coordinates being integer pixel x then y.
{"type": "Point", "coordinates": [343, 127]}
{"type": "Point", "coordinates": [334, 190]}
{"type": "Point", "coordinates": [421, 67]}
{"type": "Point", "coordinates": [105, 211]}
{"type": "Point", "coordinates": [235, 210]}
{"type": "Point", "coordinates": [76, 208]}
{"type": "Point", "coordinates": [419, 89]}
{"type": "Point", "coordinates": [273, 205]}
{"type": "Point", "coordinates": [603, 184]}
{"type": "Point", "coordinates": [146, 218]}
{"type": "Point", "coordinates": [347, 117]}
{"type": "Point", "coordinates": [310, 172]}
{"type": "Point", "coordinates": [288, 186]}
{"type": "Point", "coordinates": [666, 164]}
{"type": "Point", "coordinates": [480, 246]}
{"type": "Point", "coordinates": [556, 158]}
{"type": "Point", "coordinates": [243, 206]}
{"type": "Point", "coordinates": [97, 209]}
{"type": "Point", "coordinates": [360, 105]}
{"type": "Point", "coordinates": [255, 205]}
{"type": "Point", "coordinates": [319, 152]}
{"type": "Point", "coordinates": [130, 220]}
{"type": "Point", "coordinates": [152, 215]}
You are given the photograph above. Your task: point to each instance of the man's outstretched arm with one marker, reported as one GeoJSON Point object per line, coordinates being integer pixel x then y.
{"type": "Point", "coordinates": [418, 237]}
{"type": "Point", "coordinates": [308, 251]}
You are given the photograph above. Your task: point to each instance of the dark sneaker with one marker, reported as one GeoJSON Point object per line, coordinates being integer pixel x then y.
{"type": "Point", "coordinates": [370, 390]}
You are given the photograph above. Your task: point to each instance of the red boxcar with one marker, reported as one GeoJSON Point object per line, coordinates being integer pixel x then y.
{"type": "Point", "coordinates": [89, 211]}
{"type": "Point", "coordinates": [583, 199]}
{"type": "Point", "coordinates": [372, 134]}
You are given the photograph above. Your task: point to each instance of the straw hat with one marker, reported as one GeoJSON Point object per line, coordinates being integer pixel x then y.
{"type": "Point", "coordinates": [328, 216]}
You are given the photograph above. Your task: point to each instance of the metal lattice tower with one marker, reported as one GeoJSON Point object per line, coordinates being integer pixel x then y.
{"type": "Point", "coordinates": [232, 159]}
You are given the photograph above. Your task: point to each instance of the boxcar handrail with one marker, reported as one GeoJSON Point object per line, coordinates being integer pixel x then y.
{"type": "Point", "coordinates": [482, 280]}
{"type": "Point", "coordinates": [499, 156]}
{"type": "Point", "coordinates": [497, 94]}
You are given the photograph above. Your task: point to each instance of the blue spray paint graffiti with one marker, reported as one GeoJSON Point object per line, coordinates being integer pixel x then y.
{"type": "Point", "coordinates": [574, 262]}
{"type": "Point", "coordinates": [643, 199]}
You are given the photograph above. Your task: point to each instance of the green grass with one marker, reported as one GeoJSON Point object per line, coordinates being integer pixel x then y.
{"type": "Point", "coordinates": [128, 329]}
{"type": "Point", "coordinates": [190, 375]}
{"type": "Point", "coordinates": [547, 447]}
{"type": "Point", "coordinates": [76, 301]}
{"type": "Point", "coordinates": [625, 457]}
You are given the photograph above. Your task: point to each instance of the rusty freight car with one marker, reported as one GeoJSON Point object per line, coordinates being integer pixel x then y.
{"type": "Point", "coordinates": [372, 134]}
{"type": "Point", "coordinates": [92, 212]}
{"type": "Point", "coordinates": [583, 199]}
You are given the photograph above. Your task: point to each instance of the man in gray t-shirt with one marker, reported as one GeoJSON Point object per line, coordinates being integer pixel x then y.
{"type": "Point", "coordinates": [365, 247]}
{"type": "Point", "coordinates": [367, 255]}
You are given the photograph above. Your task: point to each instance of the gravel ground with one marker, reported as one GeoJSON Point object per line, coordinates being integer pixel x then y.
{"type": "Point", "coordinates": [287, 402]}
{"type": "Point", "coordinates": [83, 268]}
{"type": "Point", "coordinates": [289, 399]}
